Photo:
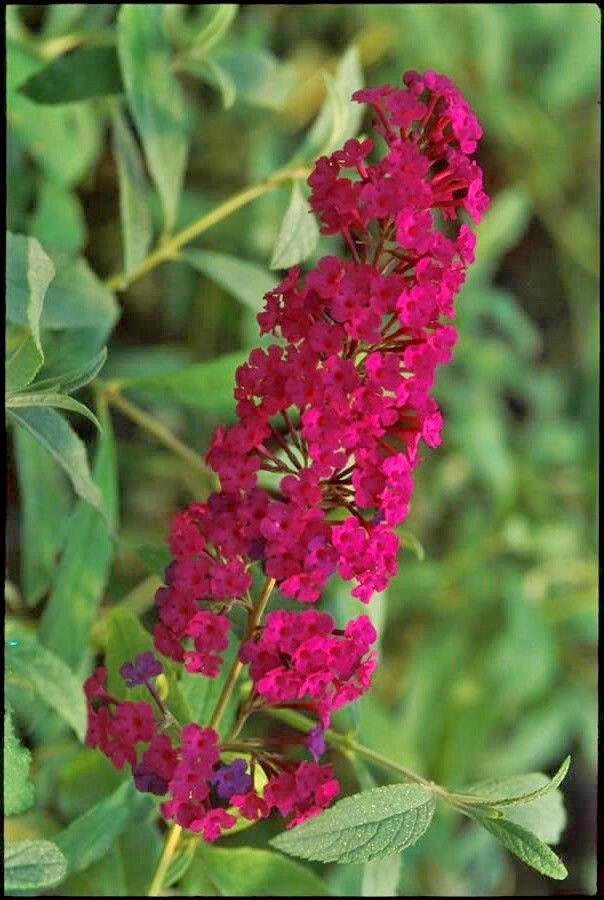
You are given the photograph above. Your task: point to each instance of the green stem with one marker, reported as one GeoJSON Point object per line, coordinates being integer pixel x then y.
{"type": "Point", "coordinates": [170, 846]}
{"type": "Point", "coordinates": [349, 746]}
{"type": "Point", "coordinates": [237, 666]}
{"type": "Point", "coordinates": [170, 248]}
{"type": "Point", "coordinates": [150, 424]}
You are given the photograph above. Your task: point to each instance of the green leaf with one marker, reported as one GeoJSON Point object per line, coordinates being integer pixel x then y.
{"type": "Point", "coordinates": [55, 434]}
{"type": "Point", "coordinates": [32, 866]}
{"type": "Point", "coordinates": [381, 877]}
{"type": "Point", "coordinates": [339, 118]}
{"type": "Point", "coordinates": [247, 872]}
{"type": "Point", "coordinates": [212, 73]}
{"type": "Point", "coordinates": [246, 281]}
{"type": "Point", "coordinates": [201, 694]}
{"type": "Point", "coordinates": [517, 788]}
{"type": "Point", "coordinates": [85, 72]}
{"type": "Point", "coordinates": [52, 399]}
{"type": "Point", "coordinates": [23, 360]}
{"type": "Point", "coordinates": [18, 789]}
{"type": "Point", "coordinates": [156, 557]}
{"type": "Point", "coordinates": [363, 827]}
{"type": "Point", "coordinates": [64, 140]}
{"type": "Point", "coordinates": [29, 272]}
{"type": "Point", "coordinates": [499, 231]}
{"type": "Point", "coordinates": [206, 386]}
{"type": "Point", "coordinates": [68, 379]}
{"type": "Point", "coordinates": [219, 19]}
{"type": "Point", "coordinates": [523, 844]}
{"type": "Point", "coordinates": [90, 836]}
{"type": "Point", "coordinates": [47, 675]}
{"type": "Point", "coordinates": [137, 230]}
{"type": "Point", "coordinates": [44, 507]}
{"type": "Point", "coordinates": [58, 221]}
{"type": "Point", "coordinates": [80, 580]}
{"type": "Point", "coordinates": [78, 299]}
{"type": "Point", "coordinates": [298, 234]}
{"type": "Point", "coordinates": [257, 76]}
{"type": "Point", "coordinates": [126, 639]}
{"type": "Point", "coordinates": [155, 100]}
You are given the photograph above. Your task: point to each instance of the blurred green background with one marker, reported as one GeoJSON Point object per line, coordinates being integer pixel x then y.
{"type": "Point", "coordinates": [488, 642]}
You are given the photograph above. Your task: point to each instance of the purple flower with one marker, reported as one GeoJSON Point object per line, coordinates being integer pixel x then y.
{"type": "Point", "coordinates": [144, 667]}
{"type": "Point", "coordinates": [315, 741]}
{"type": "Point", "coordinates": [147, 781]}
{"type": "Point", "coordinates": [232, 779]}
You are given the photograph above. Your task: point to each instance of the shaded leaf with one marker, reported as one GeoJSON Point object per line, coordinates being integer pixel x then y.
{"type": "Point", "coordinates": [85, 72]}
{"type": "Point", "coordinates": [248, 872]}
{"type": "Point", "coordinates": [246, 281]}
{"type": "Point", "coordinates": [205, 386]}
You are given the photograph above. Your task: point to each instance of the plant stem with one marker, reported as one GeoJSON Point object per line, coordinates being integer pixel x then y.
{"type": "Point", "coordinates": [169, 249]}
{"type": "Point", "coordinates": [175, 831]}
{"type": "Point", "coordinates": [150, 424]}
{"type": "Point", "coordinates": [237, 666]}
{"type": "Point", "coordinates": [348, 745]}
{"type": "Point", "coordinates": [164, 863]}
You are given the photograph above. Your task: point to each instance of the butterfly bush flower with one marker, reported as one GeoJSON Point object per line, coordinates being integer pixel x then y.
{"type": "Point", "coordinates": [336, 410]}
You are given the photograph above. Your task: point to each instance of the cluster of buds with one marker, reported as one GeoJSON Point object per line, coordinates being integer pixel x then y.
{"type": "Point", "coordinates": [317, 473]}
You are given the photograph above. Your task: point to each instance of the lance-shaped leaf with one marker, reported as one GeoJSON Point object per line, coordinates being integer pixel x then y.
{"type": "Point", "coordinates": [523, 844]}
{"type": "Point", "coordinates": [298, 234]}
{"type": "Point", "coordinates": [29, 399]}
{"type": "Point", "coordinates": [155, 99]}
{"type": "Point", "coordinates": [32, 867]}
{"type": "Point", "coordinates": [29, 272]}
{"type": "Point", "coordinates": [90, 836]}
{"type": "Point", "coordinates": [246, 281]}
{"type": "Point", "coordinates": [516, 788]}
{"type": "Point", "coordinates": [365, 826]}
{"type": "Point", "coordinates": [84, 73]}
{"type": "Point", "coordinates": [134, 210]}
{"type": "Point", "coordinates": [44, 500]}
{"type": "Point", "coordinates": [56, 435]}
{"type": "Point", "coordinates": [31, 664]}
{"type": "Point", "coordinates": [80, 579]}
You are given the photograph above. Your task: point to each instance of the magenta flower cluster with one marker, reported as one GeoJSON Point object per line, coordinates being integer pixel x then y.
{"type": "Point", "coordinates": [317, 474]}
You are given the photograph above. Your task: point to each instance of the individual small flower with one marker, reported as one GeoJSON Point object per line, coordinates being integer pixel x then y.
{"type": "Point", "coordinates": [231, 779]}
{"type": "Point", "coordinates": [143, 668]}
{"type": "Point", "coordinates": [213, 823]}
{"type": "Point", "coordinates": [315, 741]}
{"type": "Point", "coordinates": [147, 781]}
{"type": "Point", "coordinates": [250, 805]}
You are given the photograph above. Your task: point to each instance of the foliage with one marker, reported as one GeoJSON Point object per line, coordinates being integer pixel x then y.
{"type": "Point", "coordinates": [129, 127]}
